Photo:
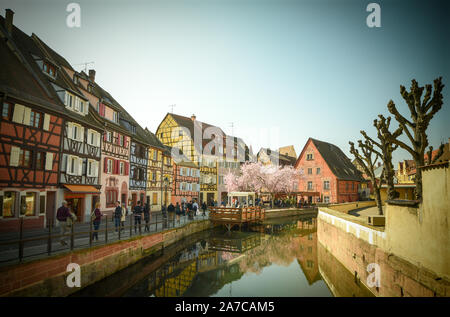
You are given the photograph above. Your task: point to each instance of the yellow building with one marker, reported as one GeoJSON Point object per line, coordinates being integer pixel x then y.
{"type": "Point", "coordinates": [190, 136]}
{"type": "Point", "coordinates": [406, 191]}
{"type": "Point", "coordinates": [159, 167]}
{"type": "Point", "coordinates": [406, 171]}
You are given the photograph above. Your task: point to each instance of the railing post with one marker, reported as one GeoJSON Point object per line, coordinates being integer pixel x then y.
{"type": "Point", "coordinates": [140, 221]}
{"type": "Point", "coordinates": [106, 229]}
{"type": "Point", "coordinates": [90, 233]}
{"type": "Point", "coordinates": [120, 228]}
{"type": "Point", "coordinates": [20, 239]}
{"type": "Point", "coordinates": [72, 242]}
{"type": "Point", "coordinates": [49, 241]}
{"type": "Point", "coordinates": [131, 224]}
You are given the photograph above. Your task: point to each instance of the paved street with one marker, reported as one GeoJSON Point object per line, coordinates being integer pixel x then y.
{"type": "Point", "coordinates": [9, 253]}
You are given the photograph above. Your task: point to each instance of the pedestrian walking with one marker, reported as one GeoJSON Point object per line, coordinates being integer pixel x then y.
{"type": "Point", "coordinates": [147, 217]}
{"type": "Point", "coordinates": [195, 208]}
{"type": "Point", "coordinates": [137, 211]}
{"type": "Point", "coordinates": [65, 218]}
{"type": "Point", "coordinates": [124, 216]}
{"type": "Point", "coordinates": [117, 216]}
{"type": "Point", "coordinates": [178, 212]}
{"type": "Point", "coordinates": [171, 210]}
{"type": "Point", "coordinates": [96, 217]}
{"type": "Point", "coordinates": [204, 208]}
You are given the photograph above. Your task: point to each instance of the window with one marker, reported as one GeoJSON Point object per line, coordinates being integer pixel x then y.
{"type": "Point", "coordinates": [109, 136]}
{"type": "Point", "coordinates": [318, 170]}
{"type": "Point", "coordinates": [28, 204]}
{"type": "Point", "coordinates": [40, 160]}
{"type": "Point", "coordinates": [155, 155]}
{"type": "Point", "coordinates": [81, 106]}
{"type": "Point", "coordinates": [89, 88]}
{"type": "Point", "coordinates": [309, 157]}
{"type": "Point", "coordinates": [180, 133]}
{"type": "Point", "coordinates": [75, 79]}
{"type": "Point", "coordinates": [161, 135]}
{"type": "Point", "coordinates": [49, 69]}
{"type": "Point", "coordinates": [109, 166]}
{"type": "Point", "coordinates": [154, 176]}
{"type": "Point", "coordinates": [326, 185]}
{"type": "Point", "coordinates": [25, 158]}
{"type": "Point", "coordinates": [7, 111]}
{"type": "Point", "coordinates": [122, 168]}
{"type": "Point", "coordinates": [310, 185]}
{"type": "Point", "coordinates": [8, 204]}
{"type": "Point", "coordinates": [121, 140]}
{"type": "Point", "coordinates": [155, 199]}
{"type": "Point", "coordinates": [92, 168]}
{"type": "Point", "coordinates": [35, 119]}
{"type": "Point", "coordinates": [309, 171]}
{"type": "Point", "coordinates": [326, 199]}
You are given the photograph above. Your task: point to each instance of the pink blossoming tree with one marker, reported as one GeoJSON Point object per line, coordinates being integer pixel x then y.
{"type": "Point", "coordinates": [270, 179]}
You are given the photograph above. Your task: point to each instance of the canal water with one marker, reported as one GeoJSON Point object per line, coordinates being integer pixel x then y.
{"type": "Point", "coordinates": [278, 258]}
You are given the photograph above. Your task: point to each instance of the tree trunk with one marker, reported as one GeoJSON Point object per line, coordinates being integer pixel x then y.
{"type": "Point", "coordinates": [378, 200]}
{"type": "Point", "coordinates": [390, 190]}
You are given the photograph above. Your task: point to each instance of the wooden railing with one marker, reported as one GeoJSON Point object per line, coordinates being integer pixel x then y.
{"type": "Point", "coordinates": [236, 215]}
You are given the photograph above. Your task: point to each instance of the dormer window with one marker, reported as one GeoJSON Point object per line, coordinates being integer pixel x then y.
{"type": "Point", "coordinates": [75, 79]}
{"type": "Point", "coordinates": [49, 69]}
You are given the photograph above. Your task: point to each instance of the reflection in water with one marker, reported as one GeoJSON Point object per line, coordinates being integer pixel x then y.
{"type": "Point", "coordinates": [277, 258]}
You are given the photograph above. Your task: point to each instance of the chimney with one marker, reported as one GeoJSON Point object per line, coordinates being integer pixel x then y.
{"type": "Point", "coordinates": [9, 20]}
{"type": "Point", "coordinates": [193, 117]}
{"type": "Point", "coordinates": [92, 74]}
{"type": "Point", "coordinates": [379, 164]}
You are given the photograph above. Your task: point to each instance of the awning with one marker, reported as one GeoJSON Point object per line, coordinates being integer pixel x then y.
{"type": "Point", "coordinates": [82, 189]}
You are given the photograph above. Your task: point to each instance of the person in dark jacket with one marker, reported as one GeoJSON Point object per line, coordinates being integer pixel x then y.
{"type": "Point", "coordinates": [117, 216]}
{"type": "Point", "coordinates": [137, 211]}
{"type": "Point", "coordinates": [178, 211]}
{"type": "Point", "coordinates": [97, 219]}
{"type": "Point", "coordinates": [62, 214]}
{"type": "Point", "coordinates": [147, 217]}
{"type": "Point", "coordinates": [204, 208]}
{"type": "Point", "coordinates": [171, 210]}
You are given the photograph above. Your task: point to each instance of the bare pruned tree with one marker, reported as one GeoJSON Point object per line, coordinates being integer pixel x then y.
{"type": "Point", "coordinates": [368, 160]}
{"type": "Point", "coordinates": [386, 147]}
{"type": "Point", "coordinates": [416, 130]}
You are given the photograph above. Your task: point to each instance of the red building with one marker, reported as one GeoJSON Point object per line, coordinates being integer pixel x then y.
{"type": "Point", "coordinates": [328, 175]}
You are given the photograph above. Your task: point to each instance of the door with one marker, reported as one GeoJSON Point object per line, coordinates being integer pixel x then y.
{"type": "Point", "coordinates": [124, 199]}
{"type": "Point", "coordinates": [210, 198]}
{"type": "Point", "coordinates": [50, 210]}
{"type": "Point", "coordinates": [75, 206]}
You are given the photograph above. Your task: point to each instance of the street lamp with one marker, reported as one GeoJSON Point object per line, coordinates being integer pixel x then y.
{"type": "Point", "coordinates": [166, 183]}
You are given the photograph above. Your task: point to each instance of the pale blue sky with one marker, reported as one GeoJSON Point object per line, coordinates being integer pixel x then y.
{"type": "Point", "coordinates": [288, 69]}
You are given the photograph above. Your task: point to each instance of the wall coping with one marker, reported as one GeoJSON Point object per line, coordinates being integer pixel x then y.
{"type": "Point", "coordinates": [404, 202]}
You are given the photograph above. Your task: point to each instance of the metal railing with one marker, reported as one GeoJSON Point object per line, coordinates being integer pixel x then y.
{"type": "Point", "coordinates": [82, 238]}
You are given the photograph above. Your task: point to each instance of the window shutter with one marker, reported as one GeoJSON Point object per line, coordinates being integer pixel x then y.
{"type": "Point", "coordinates": [18, 113]}
{"type": "Point", "coordinates": [81, 137]}
{"type": "Point", "coordinates": [69, 159]}
{"type": "Point", "coordinates": [14, 156]}
{"type": "Point", "coordinates": [26, 115]}
{"type": "Point", "coordinates": [127, 167]}
{"type": "Point", "coordinates": [49, 161]}
{"type": "Point", "coordinates": [105, 165]}
{"type": "Point", "coordinates": [181, 186]}
{"type": "Point", "coordinates": [80, 166]}
{"type": "Point", "coordinates": [96, 169]}
{"type": "Point", "coordinates": [77, 105]}
{"type": "Point", "coordinates": [86, 107]}
{"type": "Point", "coordinates": [46, 122]}
{"type": "Point", "coordinates": [70, 130]}
{"type": "Point", "coordinates": [104, 136]}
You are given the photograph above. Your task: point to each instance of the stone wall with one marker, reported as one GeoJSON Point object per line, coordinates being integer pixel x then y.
{"type": "Point", "coordinates": [47, 277]}
{"type": "Point", "coordinates": [397, 276]}
{"type": "Point", "coordinates": [421, 235]}
{"type": "Point", "coordinates": [346, 207]}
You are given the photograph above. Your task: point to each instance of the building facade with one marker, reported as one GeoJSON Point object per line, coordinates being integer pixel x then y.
{"type": "Point", "coordinates": [328, 175]}
{"type": "Point", "coordinates": [186, 181]}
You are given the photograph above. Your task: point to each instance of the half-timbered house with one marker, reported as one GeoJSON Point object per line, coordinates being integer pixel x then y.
{"type": "Point", "coordinates": [115, 157]}
{"type": "Point", "coordinates": [30, 138]}
{"type": "Point", "coordinates": [78, 179]}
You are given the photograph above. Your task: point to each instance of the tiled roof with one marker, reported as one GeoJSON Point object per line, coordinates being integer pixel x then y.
{"type": "Point", "coordinates": [338, 162]}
